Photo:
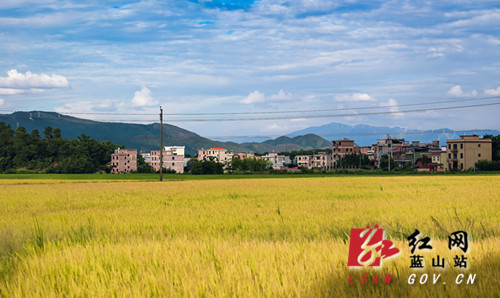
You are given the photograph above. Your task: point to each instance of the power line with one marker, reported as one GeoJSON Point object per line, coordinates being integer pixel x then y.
{"type": "Point", "coordinates": [403, 132]}
{"type": "Point", "coordinates": [333, 115]}
{"type": "Point", "coordinates": [286, 117]}
{"type": "Point", "coordinates": [277, 112]}
{"type": "Point", "coordinates": [338, 109]}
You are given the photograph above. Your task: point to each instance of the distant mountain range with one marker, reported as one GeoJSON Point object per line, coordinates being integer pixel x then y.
{"type": "Point", "coordinates": [147, 136]}
{"type": "Point", "coordinates": [365, 135]}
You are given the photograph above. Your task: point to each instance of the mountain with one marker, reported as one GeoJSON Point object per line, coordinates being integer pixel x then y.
{"type": "Point", "coordinates": [146, 137]}
{"type": "Point", "coordinates": [282, 144]}
{"type": "Point", "coordinates": [365, 135]}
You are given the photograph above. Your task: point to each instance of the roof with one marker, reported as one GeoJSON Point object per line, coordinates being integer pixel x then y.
{"type": "Point", "coordinates": [217, 148]}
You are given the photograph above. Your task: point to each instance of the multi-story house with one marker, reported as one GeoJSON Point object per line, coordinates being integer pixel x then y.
{"type": "Point", "coordinates": [146, 156]}
{"type": "Point", "coordinates": [124, 161]}
{"type": "Point", "coordinates": [340, 148]}
{"type": "Point", "coordinates": [466, 151]}
{"type": "Point", "coordinates": [217, 154]}
{"type": "Point", "coordinates": [276, 160]}
{"type": "Point", "coordinates": [173, 158]}
{"type": "Point", "coordinates": [243, 155]}
{"type": "Point", "coordinates": [322, 160]}
{"type": "Point", "coordinates": [439, 160]}
{"type": "Point", "coordinates": [417, 151]}
{"type": "Point", "coordinates": [303, 161]}
{"type": "Point", "coordinates": [394, 147]}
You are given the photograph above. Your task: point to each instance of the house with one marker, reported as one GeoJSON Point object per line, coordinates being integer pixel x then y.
{"type": "Point", "coordinates": [173, 158]}
{"type": "Point", "coordinates": [217, 154]}
{"type": "Point", "coordinates": [303, 161]}
{"type": "Point", "coordinates": [395, 147]}
{"type": "Point", "coordinates": [342, 147]}
{"type": "Point", "coordinates": [439, 162]}
{"type": "Point", "coordinates": [463, 153]}
{"type": "Point", "coordinates": [124, 161]}
{"type": "Point", "coordinates": [243, 155]}
{"type": "Point", "coordinates": [369, 151]}
{"type": "Point", "coordinates": [418, 151]}
{"type": "Point", "coordinates": [276, 160]}
{"type": "Point", "coordinates": [146, 156]}
{"type": "Point", "coordinates": [322, 160]}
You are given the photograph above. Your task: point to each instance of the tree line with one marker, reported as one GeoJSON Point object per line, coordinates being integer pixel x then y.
{"type": "Point", "coordinates": [21, 151]}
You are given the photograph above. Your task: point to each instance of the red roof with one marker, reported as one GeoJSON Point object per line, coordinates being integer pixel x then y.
{"type": "Point", "coordinates": [217, 148]}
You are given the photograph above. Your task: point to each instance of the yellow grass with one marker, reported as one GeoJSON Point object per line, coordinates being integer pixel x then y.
{"type": "Point", "coordinates": [255, 237]}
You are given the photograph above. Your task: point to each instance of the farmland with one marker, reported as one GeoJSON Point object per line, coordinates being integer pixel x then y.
{"type": "Point", "coordinates": [238, 237]}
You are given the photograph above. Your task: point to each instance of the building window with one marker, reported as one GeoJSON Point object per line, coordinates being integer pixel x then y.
{"type": "Point", "coordinates": [479, 155]}
{"type": "Point", "coordinates": [461, 155]}
{"type": "Point", "coordinates": [449, 155]}
{"type": "Point", "coordinates": [479, 145]}
{"type": "Point", "coordinates": [173, 164]}
{"type": "Point", "coordinates": [461, 166]}
{"type": "Point", "coordinates": [461, 146]}
{"type": "Point", "coordinates": [449, 146]}
{"type": "Point", "coordinates": [454, 146]}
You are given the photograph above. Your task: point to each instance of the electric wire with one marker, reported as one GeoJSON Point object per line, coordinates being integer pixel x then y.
{"type": "Point", "coordinates": [277, 112]}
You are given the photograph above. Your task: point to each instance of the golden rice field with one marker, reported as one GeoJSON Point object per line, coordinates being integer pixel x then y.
{"type": "Point", "coordinates": [245, 237]}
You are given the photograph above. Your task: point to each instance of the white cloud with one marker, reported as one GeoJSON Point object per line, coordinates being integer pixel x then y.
{"type": "Point", "coordinates": [276, 128]}
{"type": "Point", "coordinates": [17, 82]}
{"type": "Point", "coordinates": [494, 41]}
{"type": "Point", "coordinates": [106, 105]}
{"type": "Point", "coordinates": [354, 97]}
{"type": "Point", "coordinates": [258, 97]}
{"type": "Point", "coordinates": [492, 92]}
{"type": "Point", "coordinates": [254, 97]}
{"type": "Point", "coordinates": [144, 98]}
{"type": "Point", "coordinates": [456, 91]}
{"type": "Point", "coordinates": [393, 108]}
{"type": "Point", "coordinates": [9, 91]}
{"type": "Point", "coordinates": [81, 106]}
{"type": "Point", "coordinates": [435, 53]}
{"type": "Point", "coordinates": [282, 95]}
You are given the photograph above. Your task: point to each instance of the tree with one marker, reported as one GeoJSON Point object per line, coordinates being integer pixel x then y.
{"type": "Point", "coordinates": [53, 153]}
{"type": "Point", "coordinates": [485, 165]}
{"type": "Point", "coordinates": [384, 162]}
{"type": "Point", "coordinates": [6, 146]}
{"type": "Point", "coordinates": [142, 166]}
{"type": "Point", "coordinates": [252, 165]}
{"type": "Point", "coordinates": [355, 160]}
{"type": "Point", "coordinates": [21, 148]}
{"type": "Point", "coordinates": [202, 167]}
{"type": "Point", "coordinates": [48, 133]}
{"type": "Point", "coordinates": [495, 146]}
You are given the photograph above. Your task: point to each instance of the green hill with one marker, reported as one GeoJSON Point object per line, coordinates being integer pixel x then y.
{"type": "Point", "coordinates": [147, 136]}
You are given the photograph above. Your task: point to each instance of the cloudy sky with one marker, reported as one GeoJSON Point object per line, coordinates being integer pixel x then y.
{"type": "Point", "coordinates": [220, 56]}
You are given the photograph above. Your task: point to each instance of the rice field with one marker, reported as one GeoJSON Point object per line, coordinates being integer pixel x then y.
{"type": "Point", "coordinates": [243, 237]}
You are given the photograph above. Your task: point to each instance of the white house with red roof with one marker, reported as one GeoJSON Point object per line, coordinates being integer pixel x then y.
{"type": "Point", "coordinates": [217, 154]}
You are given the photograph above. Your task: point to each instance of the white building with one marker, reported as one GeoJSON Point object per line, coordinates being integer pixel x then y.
{"type": "Point", "coordinates": [217, 154]}
{"type": "Point", "coordinates": [276, 160]}
{"type": "Point", "coordinates": [173, 158]}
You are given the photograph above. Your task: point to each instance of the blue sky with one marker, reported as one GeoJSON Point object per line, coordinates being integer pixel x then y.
{"type": "Point", "coordinates": [246, 56]}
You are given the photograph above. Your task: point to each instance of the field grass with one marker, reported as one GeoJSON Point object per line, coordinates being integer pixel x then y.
{"type": "Point", "coordinates": [238, 237]}
{"type": "Point", "coordinates": [182, 177]}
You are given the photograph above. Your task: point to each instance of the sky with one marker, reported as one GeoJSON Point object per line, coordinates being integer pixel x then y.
{"type": "Point", "coordinates": [220, 56]}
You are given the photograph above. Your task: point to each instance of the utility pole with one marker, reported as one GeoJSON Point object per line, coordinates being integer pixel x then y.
{"type": "Point", "coordinates": [389, 157]}
{"type": "Point", "coordinates": [161, 144]}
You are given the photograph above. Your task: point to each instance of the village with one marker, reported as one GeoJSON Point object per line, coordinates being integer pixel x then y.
{"type": "Point", "coordinates": [457, 155]}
